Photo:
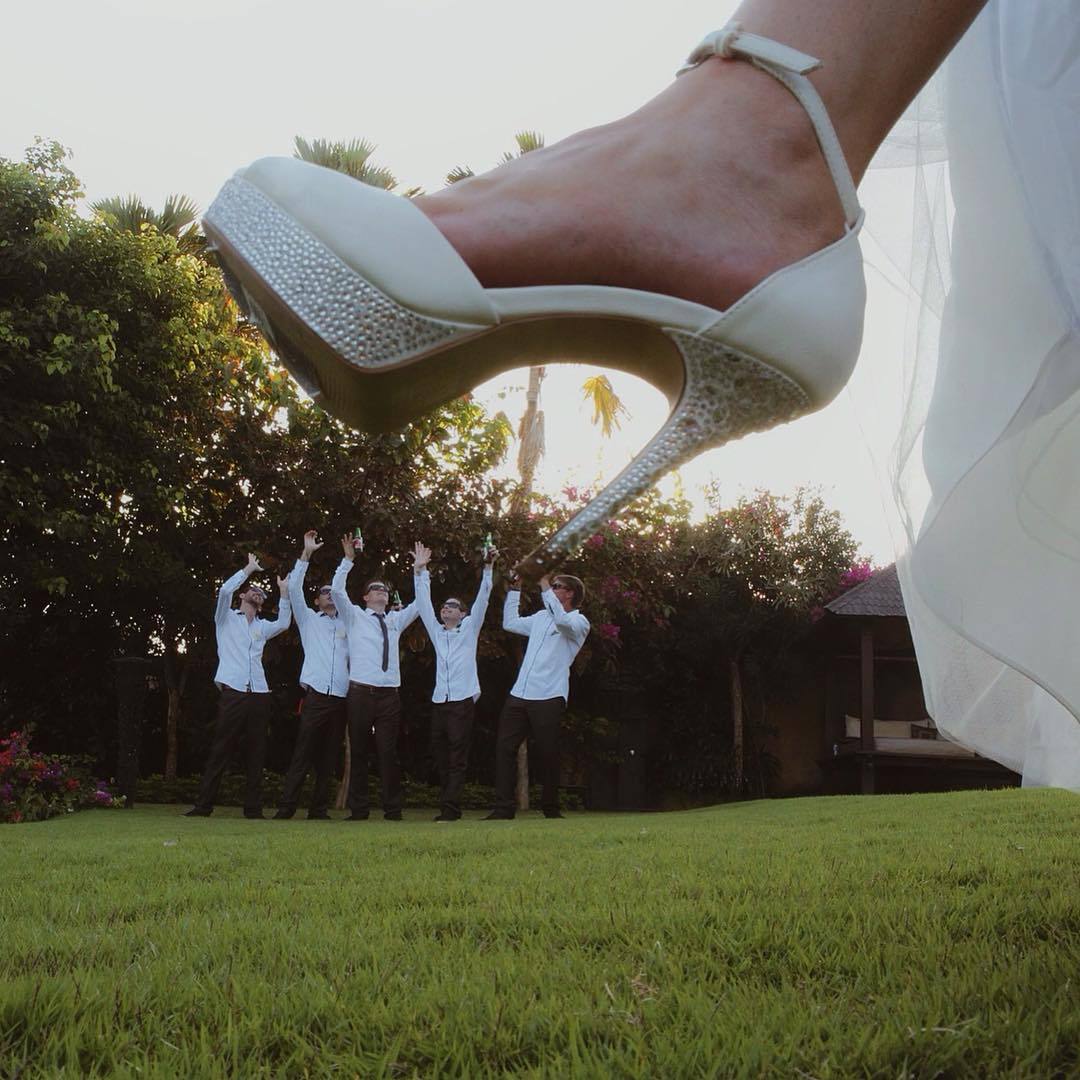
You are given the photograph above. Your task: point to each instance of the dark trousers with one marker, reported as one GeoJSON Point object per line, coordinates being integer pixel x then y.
{"type": "Point", "coordinates": [241, 719]}
{"type": "Point", "coordinates": [451, 733]}
{"type": "Point", "coordinates": [375, 708]}
{"type": "Point", "coordinates": [519, 719]}
{"type": "Point", "coordinates": [318, 744]}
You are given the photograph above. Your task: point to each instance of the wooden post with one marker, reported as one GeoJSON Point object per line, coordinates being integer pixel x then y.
{"type": "Point", "coordinates": [866, 650]}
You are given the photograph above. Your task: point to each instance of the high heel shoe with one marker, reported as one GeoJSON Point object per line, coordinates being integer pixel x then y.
{"type": "Point", "coordinates": [379, 319]}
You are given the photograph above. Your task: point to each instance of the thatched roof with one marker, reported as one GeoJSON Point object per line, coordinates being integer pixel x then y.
{"type": "Point", "coordinates": [877, 595]}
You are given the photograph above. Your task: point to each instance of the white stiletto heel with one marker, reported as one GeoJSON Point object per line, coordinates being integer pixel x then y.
{"type": "Point", "coordinates": [380, 320]}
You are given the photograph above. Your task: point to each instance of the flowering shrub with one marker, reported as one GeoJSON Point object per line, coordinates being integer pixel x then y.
{"type": "Point", "coordinates": [36, 786]}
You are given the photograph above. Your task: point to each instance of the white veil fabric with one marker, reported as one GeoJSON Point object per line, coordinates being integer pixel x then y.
{"type": "Point", "coordinates": [986, 468]}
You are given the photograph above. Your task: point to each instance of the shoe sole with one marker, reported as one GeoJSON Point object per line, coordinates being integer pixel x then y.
{"type": "Point", "coordinates": [354, 350]}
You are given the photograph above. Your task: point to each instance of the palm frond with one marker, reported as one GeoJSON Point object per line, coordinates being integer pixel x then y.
{"type": "Point", "coordinates": [125, 213]}
{"type": "Point", "coordinates": [608, 409]}
{"type": "Point", "coordinates": [528, 141]}
{"type": "Point", "coordinates": [352, 158]}
{"type": "Point", "coordinates": [179, 218]}
{"type": "Point", "coordinates": [178, 213]}
{"type": "Point", "coordinates": [459, 172]}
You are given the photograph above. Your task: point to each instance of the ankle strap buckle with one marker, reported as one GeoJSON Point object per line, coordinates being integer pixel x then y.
{"type": "Point", "coordinates": [732, 41]}
{"type": "Point", "coordinates": [788, 66]}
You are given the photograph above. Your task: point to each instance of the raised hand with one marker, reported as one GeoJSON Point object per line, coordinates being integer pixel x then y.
{"type": "Point", "coordinates": [252, 563]}
{"type": "Point", "coordinates": [346, 546]}
{"type": "Point", "coordinates": [545, 583]}
{"type": "Point", "coordinates": [421, 557]}
{"type": "Point", "coordinates": [311, 544]}
{"type": "Point", "coordinates": [492, 555]}
{"type": "Point", "coordinates": [283, 584]}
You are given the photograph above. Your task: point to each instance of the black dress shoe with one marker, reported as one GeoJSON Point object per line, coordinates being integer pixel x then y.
{"type": "Point", "coordinates": [392, 815]}
{"type": "Point", "coordinates": [498, 815]}
{"type": "Point", "coordinates": [198, 811]}
{"type": "Point", "coordinates": [447, 817]}
{"type": "Point", "coordinates": [553, 814]}
{"type": "Point", "coordinates": [357, 817]}
{"type": "Point", "coordinates": [284, 815]}
{"type": "Point", "coordinates": [323, 816]}
{"type": "Point", "coordinates": [253, 815]}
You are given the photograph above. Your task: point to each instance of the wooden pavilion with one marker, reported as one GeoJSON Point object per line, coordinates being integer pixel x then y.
{"type": "Point", "coordinates": [879, 736]}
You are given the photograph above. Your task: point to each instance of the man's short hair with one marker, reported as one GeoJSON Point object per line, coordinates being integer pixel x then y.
{"type": "Point", "coordinates": [453, 601]}
{"type": "Point", "coordinates": [575, 583]}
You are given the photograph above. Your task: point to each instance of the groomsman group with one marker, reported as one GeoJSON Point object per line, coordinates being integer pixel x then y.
{"type": "Point", "coordinates": [351, 675]}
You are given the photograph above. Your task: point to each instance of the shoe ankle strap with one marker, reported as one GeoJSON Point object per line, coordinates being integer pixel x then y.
{"type": "Point", "coordinates": [790, 67]}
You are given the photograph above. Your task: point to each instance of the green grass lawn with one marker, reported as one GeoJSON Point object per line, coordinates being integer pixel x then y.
{"type": "Point", "coordinates": [891, 936]}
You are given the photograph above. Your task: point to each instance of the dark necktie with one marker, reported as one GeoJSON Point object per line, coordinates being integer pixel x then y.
{"type": "Point", "coordinates": [385, 639]}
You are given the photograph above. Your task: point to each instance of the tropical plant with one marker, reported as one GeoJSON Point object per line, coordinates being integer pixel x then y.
{"type": "Point", "coordinates": [179, 218]}
{"type": "Point", "coordinates": [352, 158]}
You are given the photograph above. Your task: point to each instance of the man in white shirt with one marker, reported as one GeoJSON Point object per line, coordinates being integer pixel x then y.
{"type": "Point", "coordinates": [325, 680]}
{"type": "Point", "coordinates": [537, 701]}
{"type": "Point", "coordinates": [244, 705]}
{"type": "Point", "coordinates": [372, 703]}
{"type": "Point", "coordinates": [457, 685]}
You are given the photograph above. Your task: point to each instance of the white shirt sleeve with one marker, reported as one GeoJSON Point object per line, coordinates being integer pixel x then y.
{"type": "Point", "coordinates": [480, 604]}
{"type": "Point", "coordinates": [571, 623]}
{"type": "Point", "coordinates": [345, 607]}
{"type": "Point", "coordinates": [301, 612]}
{"type": "Point", "coordinates": [423, 603]}
{"type": "Point", "coordinates": [512, 619]}
{"type": "Point", "coordinates": [225, 596]}
{"type": "Point", "coordinates": [281, 623]}
{"type": "Point", "coordinates": [404, 618]}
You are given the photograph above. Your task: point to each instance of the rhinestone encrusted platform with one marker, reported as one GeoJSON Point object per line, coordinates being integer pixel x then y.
{"type": "Point", "coordinates": [355, 319]}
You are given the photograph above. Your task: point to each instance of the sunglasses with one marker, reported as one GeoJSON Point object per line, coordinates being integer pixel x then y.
{"type": "Point", "coordinates": [562, 585]}
{"type": "Point", "coordinates": [378, 588]}
{"type": "Point", "coordinates": [325, 590]}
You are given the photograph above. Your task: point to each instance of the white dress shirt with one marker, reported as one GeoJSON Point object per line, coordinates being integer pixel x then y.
{"type": "Point", "coordinates": [455, 650]}
{"type": "Point", "coordinates": [555, 637]}
{"type": "Point", "coordinates": [240, 643]}
{"type": "Point", "coordinates": [326, 645]}
{"type": "Point", "coordinates": [365, 635]}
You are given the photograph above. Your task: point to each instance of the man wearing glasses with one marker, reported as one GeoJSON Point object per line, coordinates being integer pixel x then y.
{"type": "Point", "coordinates": [244, 705]}
{"type": "Point", "coordinates": [372, 702]}
{"type": "Point", "coordinates": [537, 702]}
{"type": "Point", "coordinates": [325, 680]}
{"type": "Point", "coordinates": [457, 686]}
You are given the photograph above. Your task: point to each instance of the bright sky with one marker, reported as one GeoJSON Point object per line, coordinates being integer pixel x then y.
{"type": "Point", "coordinates": [156, 98]}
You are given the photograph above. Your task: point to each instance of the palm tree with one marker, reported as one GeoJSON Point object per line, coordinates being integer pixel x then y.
{"type": "Point", "coordinates": [178, 218]}
{"type": "Point", "coordinates": [607, 411]}
{"type": "Point", "coordinates": [353, 158]}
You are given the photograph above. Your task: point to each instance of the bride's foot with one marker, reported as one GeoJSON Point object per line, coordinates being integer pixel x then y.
{"type": "Point", "coordinates": [706, 190]}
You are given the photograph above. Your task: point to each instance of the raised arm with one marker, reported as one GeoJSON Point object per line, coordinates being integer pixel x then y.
{"type": "Point", "coordinates": [345, 607]}
{"type": "Point", "coordinates": [404, 618]}
{"type": "Point", "coordinates": [281, 623]}
{"type": "Point", "coordinates": [422, 581]}
{"type": "Point", "coordinates": [571, 623]}
{"type": "Point", "coordinates": [228, 590]}
{"type": "Point", "coordinates": [302, 612]}
{"type": "Point", "coordinates": [512, 619]}
{"type": "Point", "coordinates": [480, 604]}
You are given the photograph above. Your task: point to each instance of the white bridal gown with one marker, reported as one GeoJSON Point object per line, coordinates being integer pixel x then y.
{"type": "Point", "coordinates": [986, 470]}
